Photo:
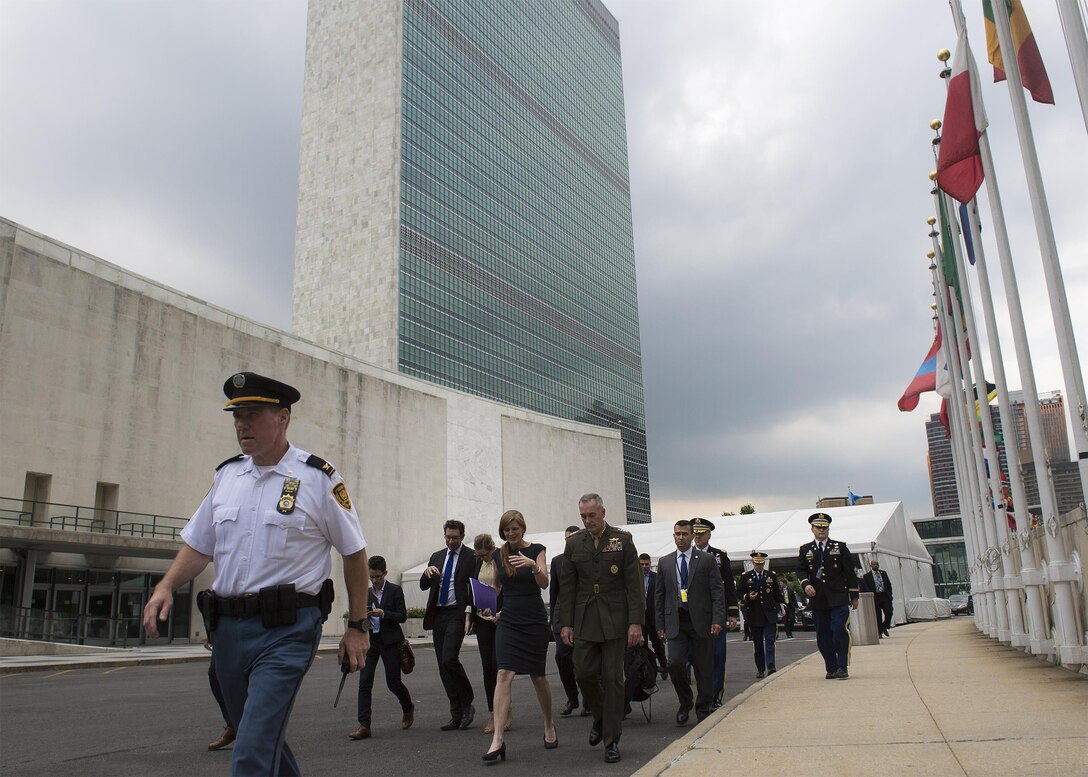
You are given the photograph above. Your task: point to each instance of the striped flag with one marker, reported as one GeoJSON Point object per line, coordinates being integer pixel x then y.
{"type": "Point", "coordinates": [1032, 73]}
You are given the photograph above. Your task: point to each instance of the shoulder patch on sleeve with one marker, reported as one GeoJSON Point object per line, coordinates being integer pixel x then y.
{"type": "Point", "coordinates": [319, 463]}
{"type": "Point", "coordinates": [340, 491]}
{"type": "Point", "coordinates": [239, 457]}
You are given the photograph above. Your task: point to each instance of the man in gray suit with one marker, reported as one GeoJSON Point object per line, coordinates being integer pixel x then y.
{"type": "Point", "coordinates": [689, 605]}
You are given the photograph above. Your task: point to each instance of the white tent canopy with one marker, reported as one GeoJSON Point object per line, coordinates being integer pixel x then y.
{"type": "Point", "coordinates": [880, 530]}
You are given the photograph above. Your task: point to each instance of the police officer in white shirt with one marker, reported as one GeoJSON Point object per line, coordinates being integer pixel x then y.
{"type": "Point", "coordinates": [268, 523]}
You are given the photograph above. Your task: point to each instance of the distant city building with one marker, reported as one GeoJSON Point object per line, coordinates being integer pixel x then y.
{"type": "Point", "coordinates": [1055, 434]}
{"type": "Point", "coordinates": [1065, 473]}
{"type": "Point", "coordinates": [464, 211]}
{"type": "Point", "coordinates": [943, 538]}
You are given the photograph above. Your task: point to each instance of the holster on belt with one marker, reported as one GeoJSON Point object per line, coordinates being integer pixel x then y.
{"type": "Point", "coordinates": [205, 601]}
{"type": "Point", "coordinates": [325, 598]}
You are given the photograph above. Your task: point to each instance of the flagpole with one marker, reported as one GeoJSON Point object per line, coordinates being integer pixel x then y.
{"type": "Point", "coordinates": [1032, 577]}
{"type": "Point", "coordinates": [960, 458]}
{"type": "Point", "coordinates": [1009, 582]}
{"type": "Point", "coordinates": [996, 524]}
{"type": "Point", "coordinates": [1060, 572]}
{"type": "Point", "coordinates": [1012, 581]}
{"type": "Point", "coordinates": [983, 510]}
{"type": "Point", "coordinates": [1076, 41]}
{"type": "Point", "coordinates": [971, 445]}
{"type": "Point", "coordinates": [1052, 270]}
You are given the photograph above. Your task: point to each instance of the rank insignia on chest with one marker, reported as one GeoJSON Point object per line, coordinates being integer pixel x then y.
{"type": "Point", "coordinates": [287, 496]}
{"type": "Point", "coordinates": [834, 550]}
{"type": "Point", "coordinates": [340, 491]}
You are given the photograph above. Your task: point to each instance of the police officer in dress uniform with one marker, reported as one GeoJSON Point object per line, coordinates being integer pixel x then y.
{"type": "Point", "coordinates": [268, 522]}
{"type": "Point", "coordinates": [702, 528]}
{"type": "Point", "coordinates": [827, 573]}
{"type": "Point", "coordinates": [601, 608]}
{"type": "Point", "coordinates": [763, 603]}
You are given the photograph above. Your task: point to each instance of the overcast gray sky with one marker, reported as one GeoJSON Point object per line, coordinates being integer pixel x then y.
{"type": "Point", "coordinates": [779, 155]}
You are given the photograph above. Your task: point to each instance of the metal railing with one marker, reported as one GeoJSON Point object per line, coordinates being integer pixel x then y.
{"type": "Point", "coordinates": [29, 623]}
{"type": "Point", "coordinates": [52, 515]}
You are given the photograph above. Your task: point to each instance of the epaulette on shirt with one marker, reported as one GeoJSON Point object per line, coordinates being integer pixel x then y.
{"type": "Point", "coordinates": [319, 463]}
{"type": "Point", "coordinates": [239, 457]}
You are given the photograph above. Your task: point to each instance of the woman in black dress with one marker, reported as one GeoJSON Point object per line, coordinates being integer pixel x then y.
{"type": "Point", "coordinates": [522, 632]}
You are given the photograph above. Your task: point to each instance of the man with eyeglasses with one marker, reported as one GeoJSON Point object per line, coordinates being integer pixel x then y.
{"type": "Point", "coordinates": [447, 578]}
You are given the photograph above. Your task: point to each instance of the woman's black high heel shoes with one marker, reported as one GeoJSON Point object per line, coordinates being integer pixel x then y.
{"type": "Point", "coordinates": [494, 756]}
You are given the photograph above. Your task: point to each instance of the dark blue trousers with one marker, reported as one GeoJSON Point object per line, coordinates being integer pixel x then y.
{"type": "Point", "coordinates": [763, 638]}
{"type": "Point", "coordinates": [833, 636]}
{"type": "Point", "coordinates": [719, 666]}
{"type": "Point", "coordinates": [260, 671]}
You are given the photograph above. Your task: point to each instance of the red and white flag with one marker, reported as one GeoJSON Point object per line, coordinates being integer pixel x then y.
{"type": "Point", "coordinates": [959, 162]}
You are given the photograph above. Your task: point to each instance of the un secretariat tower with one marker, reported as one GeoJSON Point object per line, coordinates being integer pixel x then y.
{"type": "Point", "coordinates": [464, 212]}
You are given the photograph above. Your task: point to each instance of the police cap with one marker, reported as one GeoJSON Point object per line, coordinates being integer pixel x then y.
{"type": "Point", "coordinates": [248, 389]}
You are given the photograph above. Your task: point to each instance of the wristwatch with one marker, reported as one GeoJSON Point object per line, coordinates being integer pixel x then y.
{"type": "Point", "coordinates": [361, 625]}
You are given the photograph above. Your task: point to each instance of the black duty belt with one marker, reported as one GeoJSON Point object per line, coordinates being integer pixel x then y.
{"type": "Point", "coordinates": [250, 604]}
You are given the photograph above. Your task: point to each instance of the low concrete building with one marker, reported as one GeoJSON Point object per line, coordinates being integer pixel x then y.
{"type": "Point", "coordinates": [112, 428]}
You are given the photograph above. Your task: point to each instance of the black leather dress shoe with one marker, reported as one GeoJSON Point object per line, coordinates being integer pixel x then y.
{"type": "Point", "coordinates": [453, 725]}
{"type": "Point", "coordinates": [760, 675]}
{"type": "Point", "coordinates": [829, 676]}
{"type": "Point", "coordinates": [466, 717]}
{"type": "Point", "coordinates": [568, 708]}
{"type": "Point", "coordinates": [771, 670]}
{"type": "Point", "coordinates": [612, 753]}
{"type": "Point", "coordinates": [842, 674]}
{"type": "Point", "coordinates": [595, 736]}
{"type": "Point", "coordinates": [682, 715]}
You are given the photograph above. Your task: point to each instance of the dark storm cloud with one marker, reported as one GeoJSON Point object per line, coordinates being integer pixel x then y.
{"type": "Point", "coordinates": [778, 158]}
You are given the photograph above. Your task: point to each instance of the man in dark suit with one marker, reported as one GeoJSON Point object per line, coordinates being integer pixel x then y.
{"type": "Point", "coordinates": [564, 653]}
{"type": "Point", "coordinates": [758, 589]}
{"type": "Point", "coordinates": [825, 568]}
{"type": "Point", "coordinates": [601, 607]}
{"type": "Point", "coordinates": [877, 581]}
{"type": "Point", "coordinates": [649, 627]}
{"type": "Point", "coordinates": [789, 598]}
{"type": "Point", "coordinates": [447, 578]}
{"type": "Point", "coordinates": [689, 605]}
{"type": "Point", "coordinates": [702, 528]}
{"type": "Point", "coordinates": [386, 610]}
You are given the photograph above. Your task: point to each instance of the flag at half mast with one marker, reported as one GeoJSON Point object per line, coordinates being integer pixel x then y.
{"type": "Point", "coordinates": [1032, 72]}
{"type": "Point", "coordinates": [959, 161]}
{"type": "Point", "coordinates": [925, 379]}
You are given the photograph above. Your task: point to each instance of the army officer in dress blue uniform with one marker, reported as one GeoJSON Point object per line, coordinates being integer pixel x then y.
{"type": "Point", "coordinates": [763, 604]}
{"type": "Point", "coordinates": [268, 522]}
{"type": "Point", "coordinates": [827, 573]}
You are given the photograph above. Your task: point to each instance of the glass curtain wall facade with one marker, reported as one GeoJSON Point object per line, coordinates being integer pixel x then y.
{"type": "Point", "coordinates": [517, 267]}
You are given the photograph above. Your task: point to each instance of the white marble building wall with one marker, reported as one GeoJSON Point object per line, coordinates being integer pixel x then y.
{"type": "Point", "coordinates": [110, 377]}
{"type": "Point", "coordinates": [347, 229]}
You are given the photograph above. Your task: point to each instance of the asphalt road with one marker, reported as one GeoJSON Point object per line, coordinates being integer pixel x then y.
{"type": "Point", "coordinates": [158, 720]}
